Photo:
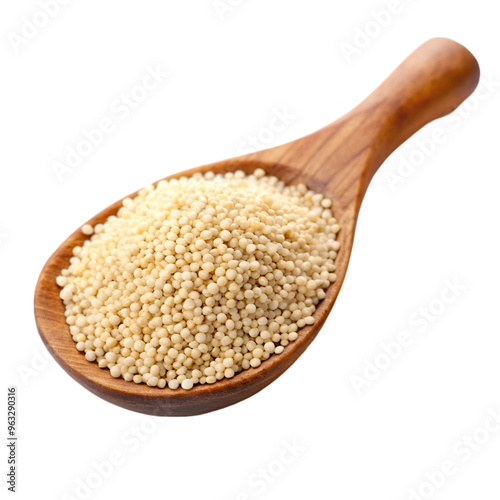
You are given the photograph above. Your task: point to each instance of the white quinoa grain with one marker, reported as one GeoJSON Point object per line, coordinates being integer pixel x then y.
{"type": "Point", "coordinates": [200, 278]}
{"type": "Point", "coordinates": [87, 229]}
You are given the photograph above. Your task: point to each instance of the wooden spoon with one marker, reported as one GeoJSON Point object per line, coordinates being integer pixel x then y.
{"type": "Point", "coordinates": [337, 161]}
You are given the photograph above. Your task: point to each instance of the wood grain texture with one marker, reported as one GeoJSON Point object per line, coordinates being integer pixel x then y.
{"type": "Point", "coordinates": [337, 161]}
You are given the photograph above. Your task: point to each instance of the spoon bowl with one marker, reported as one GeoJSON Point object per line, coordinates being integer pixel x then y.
{"type": "Point", "coordinates": [337, 161]}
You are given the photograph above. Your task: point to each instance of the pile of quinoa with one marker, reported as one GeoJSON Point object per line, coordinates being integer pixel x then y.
{"type": "Point", "coordinates": [200, 278]}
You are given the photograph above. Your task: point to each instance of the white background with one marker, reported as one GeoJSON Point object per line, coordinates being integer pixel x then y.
{"type": "Point", "coordinates": [229, 70]}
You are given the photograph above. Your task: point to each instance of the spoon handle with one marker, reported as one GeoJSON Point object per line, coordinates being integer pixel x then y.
{"type": "Point", "coordinates": [343, 156]}
{"type": "Point", "coordinates": [430, 83]}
